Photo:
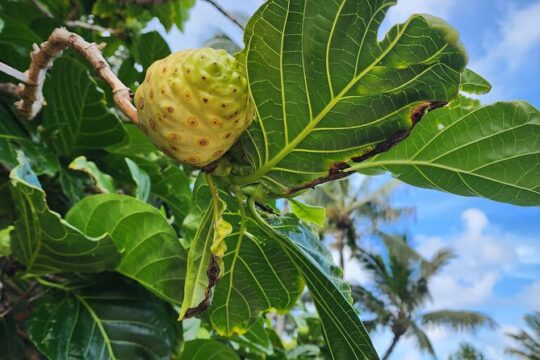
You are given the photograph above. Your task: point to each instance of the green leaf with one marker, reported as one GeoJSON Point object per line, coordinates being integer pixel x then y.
{"type": "Point", "coordinates": [172, 13]}
{"type": "Point", "coordinates": [308, 213]}
{"type": "Point", "coordinates": [488, 151]}
{"type": "Point", "coordinates": [344, 333]}
{"type": "Point", "coordinates": [16, 40]}
{"type": "Point", "coordinates": [141, 178]}
{"type": "Point", "coordinates": [108, 318]}
{"type": "Point", "coordinates": [11, 346]}
{"type": "Point", "coordinates": [104, 182]}
{"type": "Point", "coordinates": [473, 83]}
{"type": "Point", "coordinates": [135, 143]}
{"type": "Point", "coordinates": [13, 137]}
{"type": "Point", "coordinates": [327, 91]}
{"type": "Point", "coordinates": [258, 276]}
{"type": "Point", "coordinates": [172, 185]}
{"type": "Point", "coordinates": [77, 117]}
{"type": "Point", "coordinates": [207, 349]}
{"type": "Point", "coordinates": [256, 339]}
{"type": "Point", "coordinates": [45, 242]}
{"type": "Point", "coordinates": [1, 25]}
{"type": "Point", "coordinates": [5, 248]}
{"type": "Point", "coordinates": [151, 252]}
{"type": "Point", "coordinates": [150, 47]}
{"type": "Point", "coordinates": [205, 231]}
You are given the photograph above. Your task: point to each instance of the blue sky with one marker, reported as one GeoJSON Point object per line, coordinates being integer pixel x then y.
{"type": "Point", "coordinates": [498, 266]}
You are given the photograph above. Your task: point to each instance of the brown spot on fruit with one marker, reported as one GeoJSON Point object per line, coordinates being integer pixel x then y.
{"type": "Point", "coordinates": [174, 148]}
{"type": "Point", "coordinates": [164, 70]}
{"type": "Point", "coordinates": [218, 153]}
{"type": "Point", "coordinates": [227, 135]}
{"type": "Point", "coordinates": [223, 105]}
{"type": "Point", "coordinates": [205, 100]}
{"type": "Point", "coordinates": [235, 90]}
{"type": "Point", "coordinates": [188, 96]}
{"type": "Point", "coordinates": [161, 118]}
{"type": "Point", "coordinates": [193, 160]}
{"type": "Point", "coordinates": [162, 91]}
{"type": "Point", "coordinates": [170, 109]}
{"type": "Point", "coordinates": [204, 77]}
{"type": "Point", "coordinates": [151, 94]}
{"type": "Point", "coordinates": [193, 122]}
{"type": "Point", "coordinates": [216, 122]}
{"type": "Point", "coordinates": [141, 103]}
{"type": "Point", "coordinates": [152, 124]}
{"type": "Point", "coordinates": [203, 142]}
{"type": "Point", "coordinates": [174, 137]}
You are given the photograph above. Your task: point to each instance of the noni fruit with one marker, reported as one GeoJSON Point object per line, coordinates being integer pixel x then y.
{"type": "Point", "coordinates": [194, 104]}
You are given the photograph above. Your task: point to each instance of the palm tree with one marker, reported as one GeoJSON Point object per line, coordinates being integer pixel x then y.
{"type": "Point", "coordinates": [401, 279]}
{"type": "Point", "coordinates": [467, 352]}
{"type": "Point", "coordinates": [353, 212]}
{"type": "Point", "coordinates": [528, 343]}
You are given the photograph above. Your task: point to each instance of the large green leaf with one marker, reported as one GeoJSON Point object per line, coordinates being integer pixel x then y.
{"type": "Point", "coordinates": [327, 91]}
{"type": "Point", "coordinates": [471, 150]}
{"type": "Point", "coordinates": [11, 346]}
{"type": "Point", "coordinates": [45, 242]}
{"type": "Point", "coordinates": [258, 276]}
{"type": "Point", "coordinates": [77, 117]}
{"type": "Point", "coordinates": [207, 349]}
{"type": "Point", "coordinates": [151, 251]}
{"type": "Point", "coordinates": [344, 333]}
{"type": "Point", "coordinates": [205, 232]}
{"type": "Point", "coordinates": [106, 318]}
{"type": "Point", "coordinates": [172, 185]}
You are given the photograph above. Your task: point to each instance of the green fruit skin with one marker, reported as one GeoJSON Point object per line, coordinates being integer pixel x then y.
{"type": "Point", "coordinates": [194, 104]}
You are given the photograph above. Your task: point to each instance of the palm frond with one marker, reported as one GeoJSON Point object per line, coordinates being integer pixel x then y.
{"type": "Point", "coordinates": [527, 344]}
{"type": "Point", "coordinates": [421, 338]}
{"type": "Point", "coordinates": [459, 320]}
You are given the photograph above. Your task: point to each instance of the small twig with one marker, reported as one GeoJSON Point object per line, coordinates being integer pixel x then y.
{"type": "Point", "coordinates": [93, 27]}
{"type": "Point", "coordinates": [225, 13]}
{"type": "Point", "coordinates": [31, 92]}
{"type": "Point", "coordinates": [9, 90]}
{"type": "Point", "coordinates": [14, 73]}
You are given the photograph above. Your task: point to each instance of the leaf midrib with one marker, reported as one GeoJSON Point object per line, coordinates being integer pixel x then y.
{"type": "Point", "coordinates": [367, 165]}
{"type": "Point", "coordinates": [313, 122]}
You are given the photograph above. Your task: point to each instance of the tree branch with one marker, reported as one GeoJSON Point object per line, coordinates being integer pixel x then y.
{"type": "Point", "coordinates": [31, 91]}
{"type": "Point", "coordinates": [225, 13]}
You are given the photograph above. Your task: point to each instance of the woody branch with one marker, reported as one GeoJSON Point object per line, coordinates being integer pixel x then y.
{"type": "Point", "coordinates": [30, 91]}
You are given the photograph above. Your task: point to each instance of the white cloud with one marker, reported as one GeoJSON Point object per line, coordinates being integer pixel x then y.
{"type": "Point", "coordinates": [405, 8]}
{"type": "Point", "coordinates": [518, 34]}
{"type": "Point", "coordinates": [530, 296]}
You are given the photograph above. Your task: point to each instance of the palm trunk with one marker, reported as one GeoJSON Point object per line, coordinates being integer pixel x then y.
{"type": "Point", "coordinates": [391, 348]}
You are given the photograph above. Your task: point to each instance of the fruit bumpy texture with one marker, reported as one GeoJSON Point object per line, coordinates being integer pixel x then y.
{"type": "Point", "coordinates": [194, 104]}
